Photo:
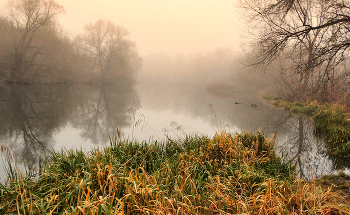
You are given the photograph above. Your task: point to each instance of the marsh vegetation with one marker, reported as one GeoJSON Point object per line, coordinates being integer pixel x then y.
{"type": "Point", "coordinates": [228, 173]}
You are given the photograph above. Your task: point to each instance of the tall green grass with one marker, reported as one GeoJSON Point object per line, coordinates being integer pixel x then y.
{"type": "Point", "coordinates": [226, 174]}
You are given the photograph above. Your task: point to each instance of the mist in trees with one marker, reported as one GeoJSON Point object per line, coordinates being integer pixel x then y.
{"type": "Point", "coordinates": [222, 68]}
{"type": "Point", "coordinates": [114, 55]}
{"type": "Point", "coordinates": [36, 53]}
{"type": "Point", "coordinates": [36, 49]}
{"type": "Point", "coordinates": [307, 40]}
{"type": "Point", "coordinates": [29, 24]}
{"type": "Point", "coordinates": [204, 68]}
{"type": "Point", "coordinates": [303, 43]}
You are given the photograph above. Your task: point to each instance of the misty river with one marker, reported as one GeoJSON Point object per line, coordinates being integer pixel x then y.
{"type": "Point", "coordinates": [37, 119]}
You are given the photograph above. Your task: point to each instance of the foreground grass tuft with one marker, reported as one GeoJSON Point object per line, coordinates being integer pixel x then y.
{"type": "Point", "coordinates": [226, 174]}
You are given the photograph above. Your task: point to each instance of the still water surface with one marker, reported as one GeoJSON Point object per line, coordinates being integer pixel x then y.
{"type": "Point", "coordinates": [36, 119]}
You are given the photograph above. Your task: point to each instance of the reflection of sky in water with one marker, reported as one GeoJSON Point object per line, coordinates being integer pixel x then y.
{"type": "Point", "coordinates": [150, 125]}
{"type": "Point", "coordinates": [179, 110]}
{"type": "Point", "coordinates": [159, 124]}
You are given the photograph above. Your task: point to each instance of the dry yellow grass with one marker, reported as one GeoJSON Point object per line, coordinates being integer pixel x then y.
{"type": "Point", "coordinates": [226, 174]}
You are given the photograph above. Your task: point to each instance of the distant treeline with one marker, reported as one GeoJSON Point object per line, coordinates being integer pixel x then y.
{"type": "Point", "coordinates": [215, 66]}
{"type": "Point", "coordinates": [35, 49]}
{"type": "Point", "coordinates": [221, 68]}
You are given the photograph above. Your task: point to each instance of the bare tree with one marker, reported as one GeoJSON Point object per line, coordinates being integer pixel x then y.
{"type": "Point", "coordinates": [5, 48]}
{"type": "Point", "coordinates": [312, 36]}
{"type": "Point", "coordinates": [28, 19]}
{"type": "Point", "coordinates": [109, 46]}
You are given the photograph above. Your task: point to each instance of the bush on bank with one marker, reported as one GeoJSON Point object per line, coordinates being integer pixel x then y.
{"type": "Point", "coordinates": [226, 174]}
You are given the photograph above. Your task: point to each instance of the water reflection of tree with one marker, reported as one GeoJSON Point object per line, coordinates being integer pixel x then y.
{"type": "Point", "coordinates": [29, 117]}
{"type": "Point", "coordinates": [302, 147]}
{"type": "Point", "coordinates": [295, 135]}
{"type": "Point", "coordinates": [102, 110]}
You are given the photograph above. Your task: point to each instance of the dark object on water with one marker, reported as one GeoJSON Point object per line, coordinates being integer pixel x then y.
{"type": "Point", "coordinates": [237, 103]}
{"type": "Point", "coordinates": [253, 105]}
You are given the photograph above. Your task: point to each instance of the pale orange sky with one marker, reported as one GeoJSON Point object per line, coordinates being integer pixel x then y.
{"type": "Point", "coordinates": [161, 26]}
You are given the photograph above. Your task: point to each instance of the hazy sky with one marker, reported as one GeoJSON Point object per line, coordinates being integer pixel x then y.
{"type": "Point", "coordinates": [161, 26]}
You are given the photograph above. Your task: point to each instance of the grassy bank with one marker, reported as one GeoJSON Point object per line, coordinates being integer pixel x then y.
{"type": "Point", "coordinates": [338, 183]}
{"type": "Point", "coordinates": [226, 174]}
{"type": "Point", "coordinates": [331, 121]}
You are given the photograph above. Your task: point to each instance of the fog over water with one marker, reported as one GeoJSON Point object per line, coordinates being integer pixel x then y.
{"type": "Point", "coordinates": [190, 49]}
{"type": "Point", "coordinates": [36, 119]}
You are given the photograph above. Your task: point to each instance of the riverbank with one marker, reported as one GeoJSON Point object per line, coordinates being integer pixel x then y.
{"type": "Point", "coordinates": [226, 174]}
{"type": "Point", "coordinates": [331, 121]}
{"type": "Point", "coordinates": [332, 124]}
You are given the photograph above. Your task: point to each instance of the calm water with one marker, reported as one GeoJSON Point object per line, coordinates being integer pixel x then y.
{"type": "Point", "coordinates": [36, 119]}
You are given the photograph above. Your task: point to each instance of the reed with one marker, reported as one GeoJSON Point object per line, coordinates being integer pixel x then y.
{"type": "Point", "coordinates": [226, 174]}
